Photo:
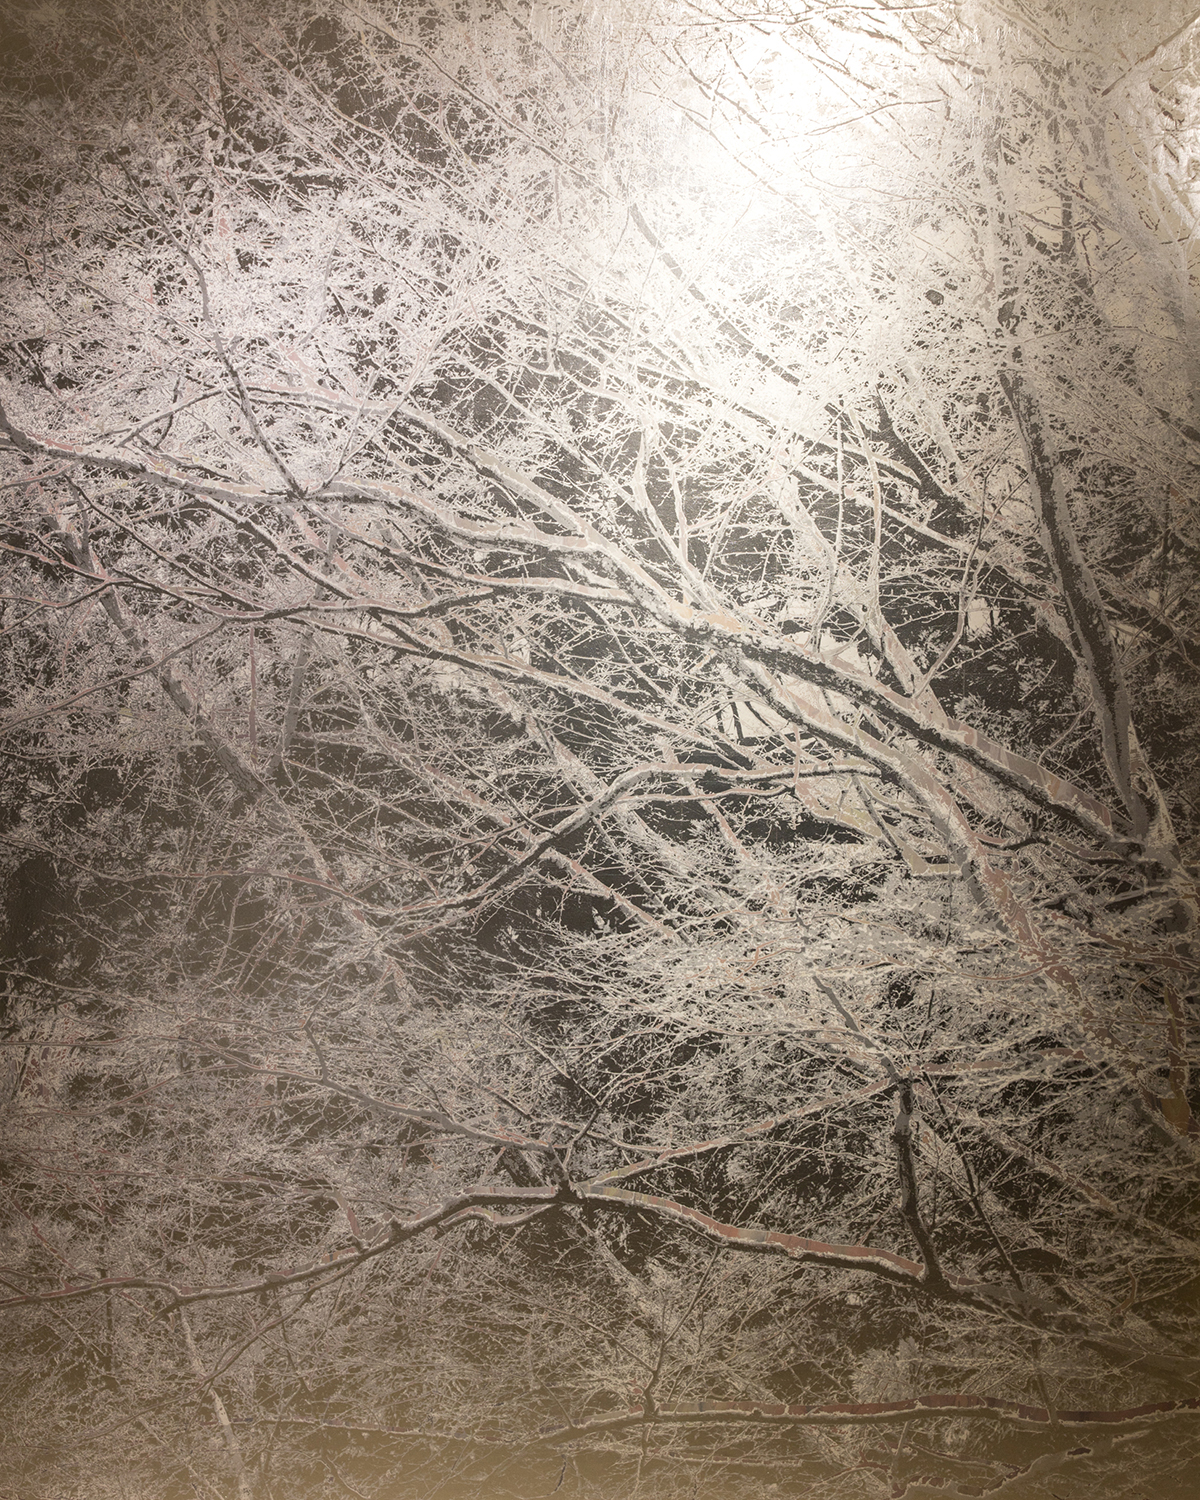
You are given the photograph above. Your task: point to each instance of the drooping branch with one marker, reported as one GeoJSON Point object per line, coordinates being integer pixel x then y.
{"type": "Point", "coordinates": [1023, 1308]}
{"type": "Point", "coordinates": [579, 538]}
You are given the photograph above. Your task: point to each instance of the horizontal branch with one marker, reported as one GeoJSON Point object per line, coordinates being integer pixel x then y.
{"type": "Point", "coordinates": [872, 1413]}
{"type": "Point", "coordinates": [1018, 1307]}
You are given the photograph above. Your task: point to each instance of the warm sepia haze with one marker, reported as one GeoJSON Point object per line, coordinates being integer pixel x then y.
{"type": "Point", "coordinates": [600, 818]}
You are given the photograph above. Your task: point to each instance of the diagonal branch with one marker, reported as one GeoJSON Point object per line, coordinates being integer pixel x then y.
{"type": "Point", "coordinates": [1089, 624]}
{"type": "Point", "coordinates": [933, 1276]}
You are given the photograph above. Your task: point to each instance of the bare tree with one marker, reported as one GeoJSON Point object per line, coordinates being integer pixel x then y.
{"type": "Point", "coordinates": [601, 838]}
